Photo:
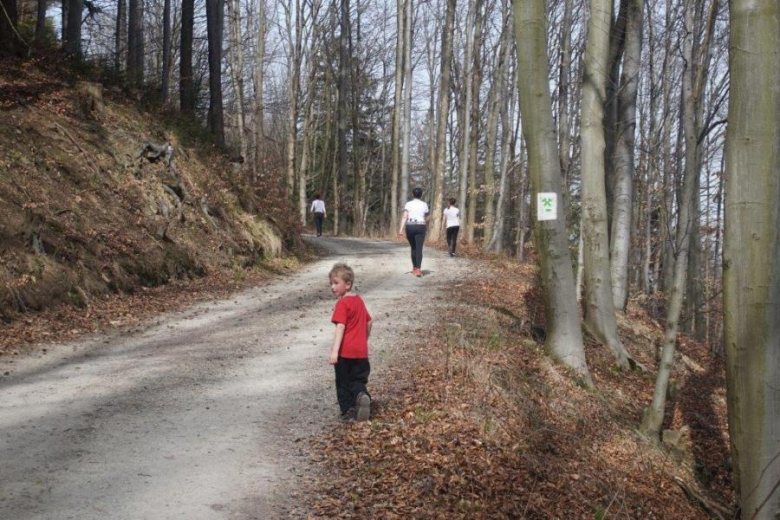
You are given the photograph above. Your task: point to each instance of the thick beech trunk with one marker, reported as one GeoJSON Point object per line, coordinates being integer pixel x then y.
{"type": "Point", "coordinates": [599, 307]}
{"type": "Point", "coordinates": [564, 336]}
{"type": "Point", "coordinates": [751, 271]}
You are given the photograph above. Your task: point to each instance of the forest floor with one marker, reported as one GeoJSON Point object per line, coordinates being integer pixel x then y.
{"type": "Point", "coordinates": [226, 409]}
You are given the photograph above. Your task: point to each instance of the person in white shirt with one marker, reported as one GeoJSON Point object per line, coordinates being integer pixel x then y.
{"type": "Point", "coordinates": [318, 208]}
{"type": "Point", "coordinates": [415, 220]}
{"type": "Point", "coordinates": [452, 221]}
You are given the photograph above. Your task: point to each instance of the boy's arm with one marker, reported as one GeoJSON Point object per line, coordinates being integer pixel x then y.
{"type": "Point", "coordinates": [337, 338]}
{"type": "Point", "coordinates": [368, 328]}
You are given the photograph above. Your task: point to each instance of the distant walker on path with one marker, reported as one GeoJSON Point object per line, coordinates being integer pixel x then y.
{"type": "Point", "coordinates": [452, 221]}
{"type": "Point", "coordinates": [415, 220]}
{"type": "Point", "coordinates": [318, 209]}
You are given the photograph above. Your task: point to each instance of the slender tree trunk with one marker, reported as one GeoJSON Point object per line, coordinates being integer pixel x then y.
{"type": "Point", "coordinates": [166, 64]}
{"type": "Point", "coordinates": [395, 148]}
{"type": "Point", "coordinates": [599, 307]}
{"type": "Point", "coordinates": [476, 83]}
{"type": "Point", "coordinates": [186, 84]}
{"type": "Point", "coordinates": [294, 37]}
{"type": "Point", "coordinates": [236, 63]}
{"type": "Point", "coordinates": [751, 272]}
{"type": "Point", "coordinates": [120, 36]}
{"type": "Point", "coordinates": [494, 102]}
{"type": "Point", "coordinates": [259, 107]}
{"type": "Point", "coordinates": [63, 19]}
{"type": "Point", "coordinates": [564, 336]}
{"type": "Point", "coordinates": [564, 74]}
{"type": "Point", "coordinates": [214, 20]}
{"type": "Point", "coordinates": [407, 116]}
{"type": "Point", "coordinates": [625, 169]}
{"type": "Point", "coordinates": [468, 71]}
{"type": "Point", "coordinates": [135, 43]}
{"type": "Point", "coordinates": [496, 243]}
{"type": "Point", "coordinates": [73, 41]}
{"type": "Point", "coordinates": [444, 111]}
{"type": "Point", "coordinates": [343, 89]}
{"type": "Point", "coordinates": [308, 125]}
{"type": "Point", "coordinates": [654, 414]}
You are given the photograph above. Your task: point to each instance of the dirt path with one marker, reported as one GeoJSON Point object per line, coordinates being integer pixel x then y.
{"type": "Point", "coordinates": [198, 414]}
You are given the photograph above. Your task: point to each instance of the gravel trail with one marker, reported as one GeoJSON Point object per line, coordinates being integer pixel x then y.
{"type": "Point", "coordinates": [198, 414]}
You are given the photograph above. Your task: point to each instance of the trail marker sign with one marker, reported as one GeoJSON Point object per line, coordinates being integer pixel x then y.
{"type": "Point", "coordinates": [547, 206]}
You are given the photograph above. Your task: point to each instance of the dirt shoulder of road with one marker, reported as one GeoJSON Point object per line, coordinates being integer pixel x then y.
{"type": "Point", "coordinates": [473, 421]}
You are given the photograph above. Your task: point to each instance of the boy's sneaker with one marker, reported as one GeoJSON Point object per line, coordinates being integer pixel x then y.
{"type": "Point", "coordinates": [417, 272]}
{"type": "Point", "coordinates": [363, 407]}
{"type": "Point", "coordinates": [348, 416]}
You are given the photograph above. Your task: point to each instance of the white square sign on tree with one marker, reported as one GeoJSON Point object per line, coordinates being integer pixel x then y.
{"type": "Point", "coordinates": [547, 206]}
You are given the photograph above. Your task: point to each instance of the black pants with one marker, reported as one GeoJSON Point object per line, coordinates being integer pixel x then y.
{"type": "Point", "coordinates": [452, 238]}
{"type": "Point", "coordinates": [415, 234]}
{"type": "Point", "coordinates": [318, 218]}
{"type": "Point", "coordinates": [351, 380]}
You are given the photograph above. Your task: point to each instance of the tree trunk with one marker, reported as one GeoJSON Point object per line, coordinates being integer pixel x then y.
{"type": "Point", "coordinates": [236, 63]}
{"type": "Point", "coordinates": [135, 43]}
{"type": "Point", "coordinates": [343, 90]}
{"type": "Point", "coordinates": [654, 414]}
{"type": "Point", "coordinates": [186, 83]}
{"type": "Point", "coordinates": [120, 36]}
{"type": "Point", "coordinates": [73, 41]}
{"type": "Point", "coordinates": [468, 72]}
{"type": "Point", "coordinates": [494, 102]}
{"type": "Point", "coordinates": [444, 111]}
{"type": "Point", "coordinates": [308, 115]}
{"type": "Point", "coordinates": [496, 243]}
{"type": "Point", "coordinates": [476, 83]}
{"type": "Point", "coordinates": [294, 39]}
{"type": "Point", "coordinates": [564, 336]}
{"type": "Point", "coordinates": [625, 169]}
{"type": "Point", "coordinates": [564, 74]}
{"type": "Point", "coordinates": [214, 21]}
{"type": "Point", "coordinates": [258, 77]}
{"type": "Point", "coordinates": [166, 64]}
{"type": "Point", "coordinates": [599, 307]}
{"type": "Point", "coordinates": [40, 22]}
{"type": "Point", "coordinates": [751, 272]}
{"type": "Point", "coordinates": [407, 116]}
{"type": "Point", "coordinates": [395, 148]}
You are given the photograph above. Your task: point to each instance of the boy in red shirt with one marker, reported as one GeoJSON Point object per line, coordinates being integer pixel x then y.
{"type": "Point", "coordinates": [349, 354]}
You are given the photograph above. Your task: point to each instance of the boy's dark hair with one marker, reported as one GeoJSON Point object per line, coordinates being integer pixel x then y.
{"type": "Point", "coordinates": [343, 271]}
{"type": "Point", "coordinates": [316, 195]}
{"type": "Point", "coordinates": [417, 192]}
{"type": "Point", "coordinates": [452, 201]}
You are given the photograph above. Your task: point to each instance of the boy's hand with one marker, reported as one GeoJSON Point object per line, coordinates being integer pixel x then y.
{"type": "Point", "coordinates": [333, 358]}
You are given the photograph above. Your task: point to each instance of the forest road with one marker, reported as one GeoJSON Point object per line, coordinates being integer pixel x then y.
{"type": "Point", "coordinates": [199, 414]}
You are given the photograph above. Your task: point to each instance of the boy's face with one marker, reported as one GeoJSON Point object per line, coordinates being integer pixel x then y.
{"type": "Point", "coordinates": [339, 287]}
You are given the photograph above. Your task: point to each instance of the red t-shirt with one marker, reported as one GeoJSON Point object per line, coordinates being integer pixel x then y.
{"type": "Point", "coordinates": [352, 312]}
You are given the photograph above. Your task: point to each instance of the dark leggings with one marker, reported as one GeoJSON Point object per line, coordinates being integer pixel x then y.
{"type": "Point", "coordinates": [452, 238]}
{"type": "Point", "coordinates": [351, 380]}
{"type": "Point", "coordinates": [415, 234]}
{"type": "Point", "coordinates": [318, 217]}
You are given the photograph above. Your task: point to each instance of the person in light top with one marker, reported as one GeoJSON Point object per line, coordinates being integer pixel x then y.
{"type": "Point", "coordinates": [452, 221]}
{"type": "Point", "coordinates": [415, 220]}
{"type": "Point", "coordinates": [318, 209]}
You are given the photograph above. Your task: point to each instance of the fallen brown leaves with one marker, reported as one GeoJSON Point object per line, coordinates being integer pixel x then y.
{"type": "Point", "coordinates": [475, 422]}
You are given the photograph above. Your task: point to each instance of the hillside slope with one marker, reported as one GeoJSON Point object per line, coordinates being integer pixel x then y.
{"type": "Point", "coordinates": [82, 215]}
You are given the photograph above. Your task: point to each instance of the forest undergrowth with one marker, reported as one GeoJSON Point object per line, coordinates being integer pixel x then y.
{"type": "Point", "coordinates": [474, 421]}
